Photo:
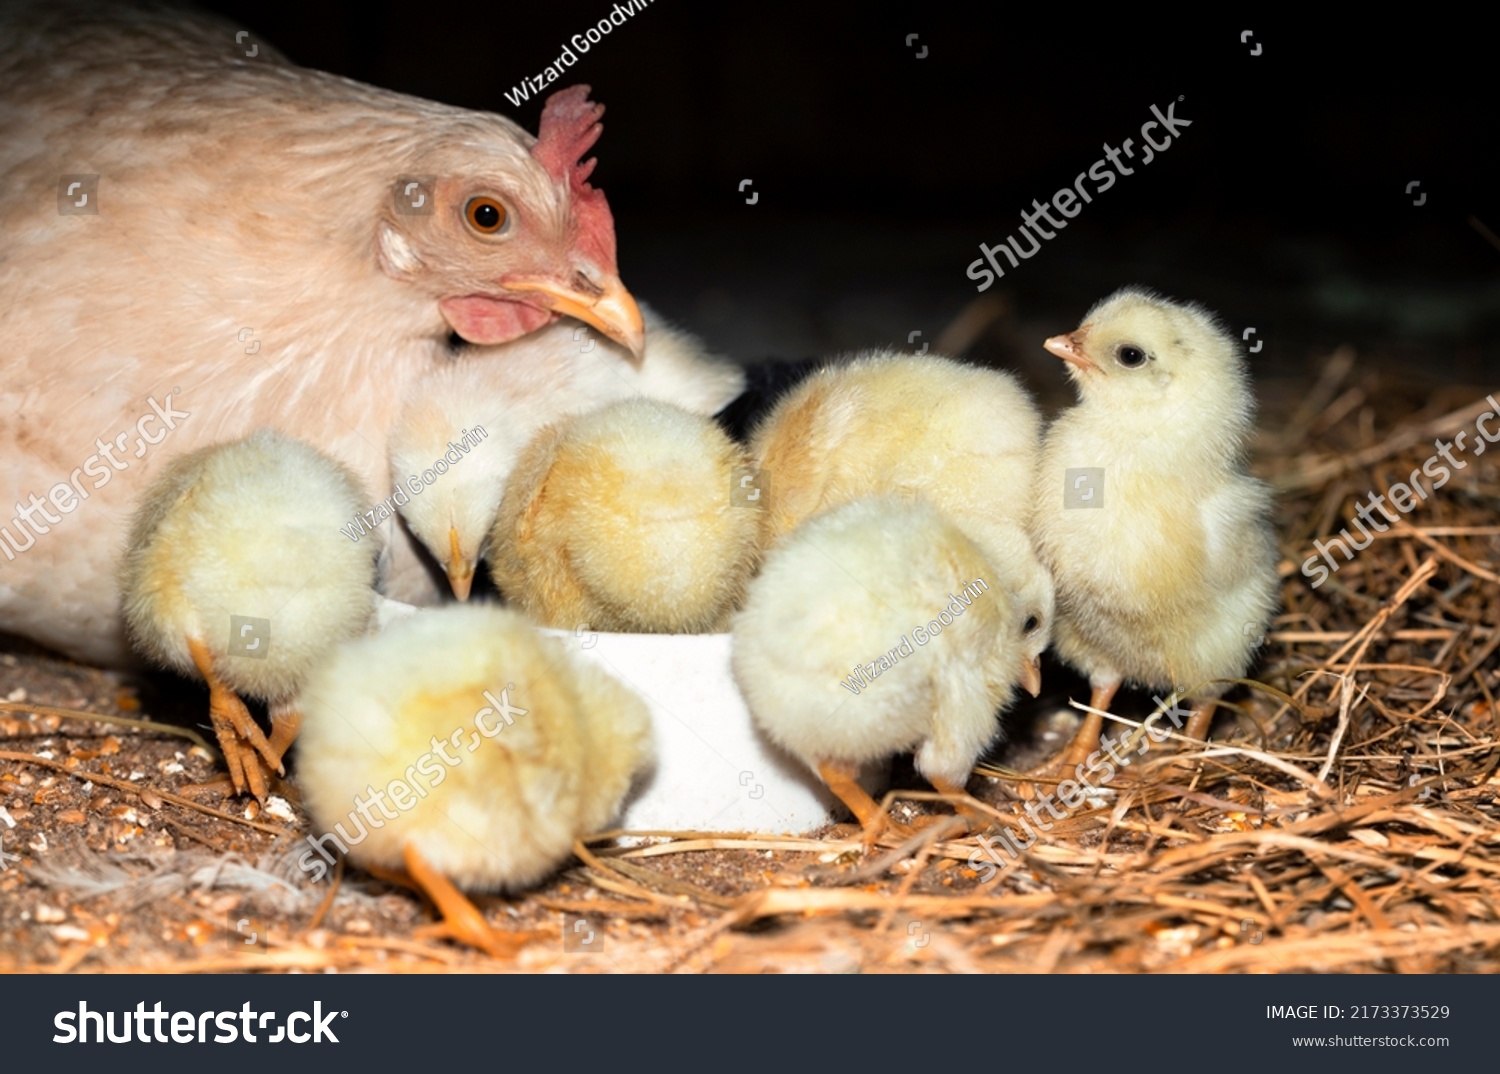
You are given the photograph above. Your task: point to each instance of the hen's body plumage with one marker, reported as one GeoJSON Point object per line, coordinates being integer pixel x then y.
{"type": "Point", "coordinates": [248, 254]}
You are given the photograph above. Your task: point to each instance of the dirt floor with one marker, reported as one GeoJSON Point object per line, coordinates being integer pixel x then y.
{"type": "Point", "coordinates": [1344, 818]}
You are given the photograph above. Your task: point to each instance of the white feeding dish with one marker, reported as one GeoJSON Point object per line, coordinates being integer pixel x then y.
{"type": "Point", "coordinates": [714, 770]}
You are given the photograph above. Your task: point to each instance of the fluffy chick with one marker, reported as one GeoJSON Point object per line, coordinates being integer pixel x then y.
{"type": "Point", "coordinates": [1168, 576]}
{"type": "Point", "coordinates": [502, 402]}
{"type": "Point", "coordinates": [966, 439]}
{"type": "Point", "coordinates": [497, 746]}
{"type": "Point", "coordinates": [248, 528]}
{"type": "Point", "coordinates": [625, 519]}
{"type": "Point", "coordinates": [844, 657]}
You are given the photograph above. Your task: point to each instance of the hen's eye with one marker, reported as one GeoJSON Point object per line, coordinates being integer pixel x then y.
{"type": "Point", "coordinates": [1032, 622]}
{"type": "Point", "coordinates": [486, 215]}
{"type": "Point", "coordinates": [1130, 357]}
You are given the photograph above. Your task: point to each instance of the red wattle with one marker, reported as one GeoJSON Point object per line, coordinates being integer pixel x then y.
{"type": "Point", "coordinates": [480, 319]}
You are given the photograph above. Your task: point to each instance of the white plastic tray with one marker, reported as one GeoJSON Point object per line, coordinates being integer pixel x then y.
{"type": "Point", "coordinates": [714, 770]}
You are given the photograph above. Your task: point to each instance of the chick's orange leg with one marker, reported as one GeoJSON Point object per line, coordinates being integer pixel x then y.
{"type": "Point", "coordinates": [975, 818]}
{"type": "Point", "coordinates": [843, 780]}
{"type": "Point", "coordinates": [286, 721]}
{"type": "Point", "coordinates": [1086, 740]}
{"type": "Point", "coordinates": [239, 736]}
{"type": "Point", "coordinates": [1080, 747]}
{"type": "Point", "coordinates": [462, 920]}
{"type": "Point", "coordinates": [1200, 721]}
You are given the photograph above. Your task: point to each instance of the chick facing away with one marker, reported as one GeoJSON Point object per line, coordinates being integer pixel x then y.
{"type": "Point", "coordinates": [502, 401]}
{"type": "Point", "coordinates": [625, 519]}
{"type": "Point", "coordinates": [964, 438]}
{"type": "Point", "coordinates": [497, 746]}
{"type": "Point", "coordinates": [878, 627]}
{"type": "Point", "coordinates": [246, 530]}
{"type": "Point", "coordinates": [1157, 538]}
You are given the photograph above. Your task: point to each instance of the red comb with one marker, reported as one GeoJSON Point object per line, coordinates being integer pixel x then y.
{"type": "Point", "coordinates": [569, 128]}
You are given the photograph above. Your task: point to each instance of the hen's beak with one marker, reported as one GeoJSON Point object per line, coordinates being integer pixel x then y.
{"type": "Point", "coordinates": [1070, 349]}
{"type": "Point", "coordinates": [604, 304]}
{"type": "Point", "coordinates": [1031, 675]}
{"type": "Point", "coordinates": [460, 567]}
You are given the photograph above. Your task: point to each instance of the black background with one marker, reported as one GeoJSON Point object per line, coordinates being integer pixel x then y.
{"type": "Point", "coordinates": [879, 173]}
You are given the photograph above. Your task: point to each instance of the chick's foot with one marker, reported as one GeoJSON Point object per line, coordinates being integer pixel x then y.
{"type": "Point", "coordinates": [975, 819]}
{"type": "Point", "coordinates": [462, 920]}
{"type": "Point", "coordinates": [286, 721]}
{"type": "Point", "coordinates": [1084, 744]}
{"type": "Point", "coordinates": [240, 738]}
{"type": "Point", "coordinates": [843, 780]}
{"type": "Point", "coordinates": [1199, 721]}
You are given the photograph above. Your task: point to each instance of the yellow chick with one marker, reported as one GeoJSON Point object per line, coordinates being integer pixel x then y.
{"type": "Point", "coordinates": [456, 440]}
{"type": "Point", "coordinates": [236, 569]}
{"type": "Point", "coordinates": [878, 627]}
{"type": "Point", "coordinates": [626, 519]}
{"type": "Point", "coordinates": [1159, 542]}
{"type": "Point", "coordinates": [964, 438]}
{"type": "Point", "coordinates": [494, 745]}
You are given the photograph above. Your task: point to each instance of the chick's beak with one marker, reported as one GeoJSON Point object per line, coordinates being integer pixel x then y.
{"type": "Point", "coordinates": [460, 568]}
{"type": "Point", "coordinates": [603, 304]}
{"type": "Point", "coordinates": [1070, 348]}
{"type": "Point", "coordinates": [1031, 675]}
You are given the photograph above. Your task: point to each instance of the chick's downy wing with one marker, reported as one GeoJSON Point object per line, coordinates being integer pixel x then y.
{"type": "Point", "coordinates": [1241, 582]}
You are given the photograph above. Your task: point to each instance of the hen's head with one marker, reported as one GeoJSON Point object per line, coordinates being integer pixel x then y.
{"type": "Point", "coordinates": [514, 237]}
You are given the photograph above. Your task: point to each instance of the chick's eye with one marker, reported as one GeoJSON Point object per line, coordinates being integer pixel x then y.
{"type": "Point", "coordinates": [1131, 356]}
{"type": "Point", "coordinates": [1032, 622]}
{"type": "Point", "coordinates": [486, 215]}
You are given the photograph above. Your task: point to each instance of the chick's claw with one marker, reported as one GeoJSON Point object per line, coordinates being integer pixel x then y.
{"type": "Point", "coordinates": [240, 738]}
